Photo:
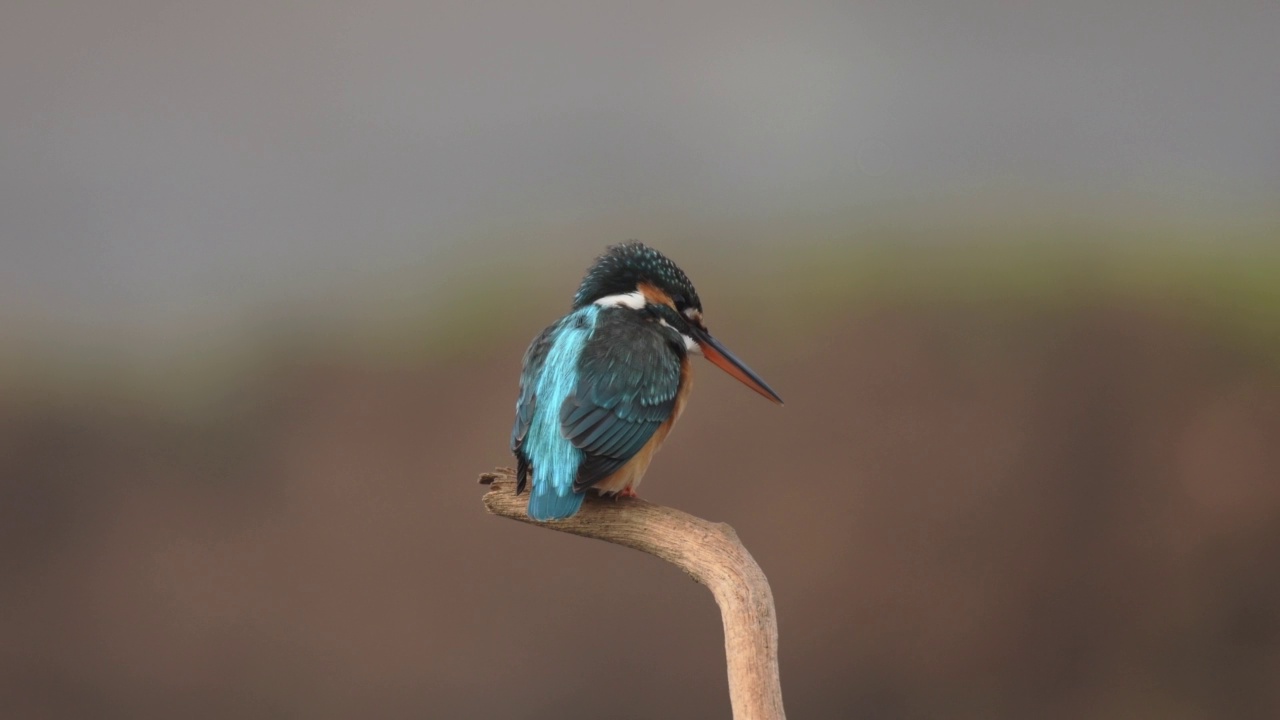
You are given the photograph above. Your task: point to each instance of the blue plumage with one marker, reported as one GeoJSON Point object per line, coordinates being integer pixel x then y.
{"type": "Point", "coordinates": [558, 460]}
{"type": "Point", "coordinates": [628, 378]}
{"type": "Point", "coordinates": [596, 387]}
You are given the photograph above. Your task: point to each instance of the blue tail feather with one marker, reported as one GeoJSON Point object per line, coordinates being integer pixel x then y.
{"type": "Point", "coordinates": [546, 504]}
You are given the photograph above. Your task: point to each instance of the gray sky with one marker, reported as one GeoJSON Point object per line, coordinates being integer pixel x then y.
{"type": "Point", "coordinates": [163, 160]}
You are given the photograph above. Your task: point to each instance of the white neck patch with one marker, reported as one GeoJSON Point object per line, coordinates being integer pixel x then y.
{"type": "Point", "coordinates": [634, 300]}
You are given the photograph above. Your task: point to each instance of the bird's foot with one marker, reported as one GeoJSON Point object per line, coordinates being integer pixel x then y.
{"type": "Point", "coordinates": [626, 492]}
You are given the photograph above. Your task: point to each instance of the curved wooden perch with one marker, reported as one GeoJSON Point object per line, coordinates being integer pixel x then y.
{"type": "Point", "coordinates": [710, 552]}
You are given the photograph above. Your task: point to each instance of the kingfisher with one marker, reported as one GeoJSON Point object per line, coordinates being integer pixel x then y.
{"type": "Point", "coordinates": [602, 386]}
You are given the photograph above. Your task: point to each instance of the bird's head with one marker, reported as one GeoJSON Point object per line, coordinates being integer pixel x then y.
{"type": "Point", "coordinates": [639, 278]}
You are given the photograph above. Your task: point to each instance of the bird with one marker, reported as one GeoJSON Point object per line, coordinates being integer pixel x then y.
{"type": "Point", "coordinates": [601, 387]}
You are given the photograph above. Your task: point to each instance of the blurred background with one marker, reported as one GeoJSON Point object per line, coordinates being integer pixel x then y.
{"type": "Point", "coordinates": [267, 271]}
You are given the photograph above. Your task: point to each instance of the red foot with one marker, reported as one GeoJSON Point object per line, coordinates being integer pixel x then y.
{"type": "Point", "coordinates": [627, 492]}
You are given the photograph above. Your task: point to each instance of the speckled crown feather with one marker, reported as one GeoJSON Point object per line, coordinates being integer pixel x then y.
{"type": "Point", "coordinates": [622, 267]}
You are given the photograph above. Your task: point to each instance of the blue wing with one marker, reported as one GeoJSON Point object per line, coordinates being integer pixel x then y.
{"type": "Point", "coordinates": [628, 379]}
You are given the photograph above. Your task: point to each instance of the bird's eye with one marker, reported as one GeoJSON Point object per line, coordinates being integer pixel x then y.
{"type": "Point", "coordinates": [680, 301]}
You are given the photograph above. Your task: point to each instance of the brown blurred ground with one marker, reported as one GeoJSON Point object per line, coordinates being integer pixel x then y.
{"type": "Point", "coordinates": [1063, 513]}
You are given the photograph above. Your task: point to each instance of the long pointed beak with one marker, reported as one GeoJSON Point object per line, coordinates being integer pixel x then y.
{"type": "Point", "coordinates": [720, 356]}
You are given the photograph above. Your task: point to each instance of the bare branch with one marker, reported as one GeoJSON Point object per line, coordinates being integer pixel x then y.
{"type": "Point", "coordinates": [710, 552]}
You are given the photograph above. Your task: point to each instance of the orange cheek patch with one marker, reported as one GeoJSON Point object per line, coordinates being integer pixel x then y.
{"type": "Point", "coordinates": [656, 296]}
